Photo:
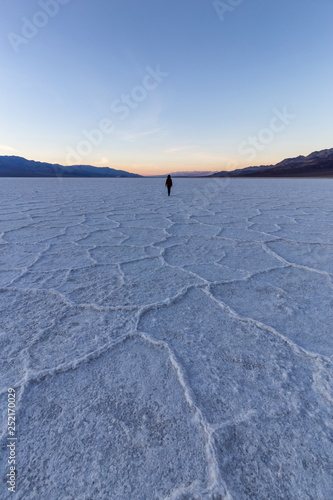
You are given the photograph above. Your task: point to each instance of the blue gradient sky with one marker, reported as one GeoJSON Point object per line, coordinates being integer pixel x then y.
{"type": "Point", "coordinates": [230, 77]}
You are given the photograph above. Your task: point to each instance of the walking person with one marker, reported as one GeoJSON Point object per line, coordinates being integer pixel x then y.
{"type": "Point", "coordinates": [168, 184]}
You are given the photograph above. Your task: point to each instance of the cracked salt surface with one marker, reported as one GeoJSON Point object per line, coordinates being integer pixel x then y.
{"type": "Point", "coordinates": [168, 348]}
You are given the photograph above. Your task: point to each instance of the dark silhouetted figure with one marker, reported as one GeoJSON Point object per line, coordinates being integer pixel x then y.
{"type": "Point", "coordinates": [168, 184]}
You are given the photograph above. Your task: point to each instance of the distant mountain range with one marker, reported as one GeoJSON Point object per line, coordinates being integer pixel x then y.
{"type": "Point", "coordinates": [317, 164]}
{"type": "Point", "coordinates": [191, 173]}
{"type": "Point", "coordinates": [15, 166]}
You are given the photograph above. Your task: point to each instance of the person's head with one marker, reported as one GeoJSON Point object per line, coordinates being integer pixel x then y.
{"type": "Point", "coordinates": [169, 176]}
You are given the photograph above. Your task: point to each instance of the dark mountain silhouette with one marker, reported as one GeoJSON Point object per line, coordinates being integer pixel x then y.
{"type": "Point", "coordinates": [15, 166]}
{"type": "Point", "coordinates": [317, 164]}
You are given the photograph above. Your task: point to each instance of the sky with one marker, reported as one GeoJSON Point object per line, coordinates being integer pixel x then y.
{"type": "Point", "coordinates": [154, 86]}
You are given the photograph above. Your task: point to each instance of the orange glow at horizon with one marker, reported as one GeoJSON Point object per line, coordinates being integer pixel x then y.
{"type": "Point", "coordinates": [161, 167]}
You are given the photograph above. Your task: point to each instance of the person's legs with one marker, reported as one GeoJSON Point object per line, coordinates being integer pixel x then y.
{"type": "Point", "coordinates": [169, 189]}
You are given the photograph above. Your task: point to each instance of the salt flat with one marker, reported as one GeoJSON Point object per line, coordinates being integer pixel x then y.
{"type": "Point", "coordinates": [168, 348]}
